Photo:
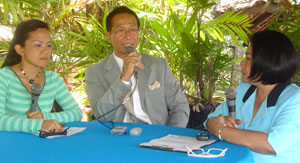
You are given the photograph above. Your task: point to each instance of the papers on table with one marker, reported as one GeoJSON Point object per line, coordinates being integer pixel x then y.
{"type": "Point", "coordinates": [176, 143]}
{"type": "Point", "coordinates": [71, 131]}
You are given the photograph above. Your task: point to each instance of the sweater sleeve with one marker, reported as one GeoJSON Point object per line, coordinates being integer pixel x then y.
{"type": "Point", "coordinates": [8, 120]}
{"type": "Point", "coordinates": [71, 111]}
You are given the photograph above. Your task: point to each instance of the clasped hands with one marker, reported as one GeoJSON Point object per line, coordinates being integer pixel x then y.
{"type": "Point", "coordinates": [215, 123]}
{"type": "Point", "coordinates": [34, 114]}
{"type": "Point", "coordinates": [129, 62]}
{"type": "Point", "coordinates": [48, 125]}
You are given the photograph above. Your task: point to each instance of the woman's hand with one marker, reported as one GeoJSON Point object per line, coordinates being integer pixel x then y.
{"type": "Point", "coordinates": [34, 115]}
{"type": "Point", "coordinates": [215, 123]}
{"type": "Point", "coordinates": [51, 125]}
{"type": "Point", "coordinates": [230, 122]}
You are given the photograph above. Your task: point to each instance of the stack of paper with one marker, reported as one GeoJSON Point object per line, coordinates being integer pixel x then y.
{"type": "Point", "coordinates": [176, 143]}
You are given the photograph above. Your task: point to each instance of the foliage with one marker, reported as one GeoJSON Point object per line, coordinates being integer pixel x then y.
{"type": "Point", "coordinates": [194, 47]}
{"type": "Point", "coordinates": [289, 24]}
{"type": "Point", "coordinates": [178, 30]}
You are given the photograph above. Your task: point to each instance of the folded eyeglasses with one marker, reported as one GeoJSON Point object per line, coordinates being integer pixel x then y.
{"type": "Point", "coordinates": [44, 134]}
{"type": "Point", "coordinates": [211, 153]}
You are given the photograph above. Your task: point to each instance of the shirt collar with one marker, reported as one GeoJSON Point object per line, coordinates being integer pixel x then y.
{"type": "Point", "coordinates": [272, 97]}
{"type": "Point", "coordinates": [119, 61]}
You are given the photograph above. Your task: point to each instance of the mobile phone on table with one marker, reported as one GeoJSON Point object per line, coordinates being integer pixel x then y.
{"type": "Point", "coordinates": [118, 130]}
{"type": "Point", "coordinates": [202, 136]}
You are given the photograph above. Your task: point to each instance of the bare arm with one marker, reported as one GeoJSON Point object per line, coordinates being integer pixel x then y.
{"type": "Point", "coordinates": [256, 141]}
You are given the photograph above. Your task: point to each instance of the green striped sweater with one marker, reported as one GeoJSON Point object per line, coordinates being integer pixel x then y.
{"type": "Point", "coordinates": [15, 101]}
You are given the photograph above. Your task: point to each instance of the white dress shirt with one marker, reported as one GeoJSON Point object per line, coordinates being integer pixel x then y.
{"type": "Point", "coordinates": [138, 111]}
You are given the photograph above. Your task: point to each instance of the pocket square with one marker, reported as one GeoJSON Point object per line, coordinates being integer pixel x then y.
{"type": "Point", "coordinates": [154, 86]}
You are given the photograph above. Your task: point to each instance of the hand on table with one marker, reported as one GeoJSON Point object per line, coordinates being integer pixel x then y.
{"type": "Point", "coordinates": [51, 125]}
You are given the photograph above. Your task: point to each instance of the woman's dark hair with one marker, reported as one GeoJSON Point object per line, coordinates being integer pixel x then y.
{"type": "Point", "coordinates": [119, 10]}
{"type": "Point", "coordinates": [21, 34]}
{"type": "Point", "coordinates": [274, 58]}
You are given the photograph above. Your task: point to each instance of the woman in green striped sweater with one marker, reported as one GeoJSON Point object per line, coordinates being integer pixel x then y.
{"type": "Point", "coordinates": [30, 50]}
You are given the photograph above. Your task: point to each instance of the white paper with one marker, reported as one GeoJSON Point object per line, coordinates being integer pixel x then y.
{"type": "Point", "coordinates": [177, 143]}
{"type": "Point", "coordinates": [71, 131]}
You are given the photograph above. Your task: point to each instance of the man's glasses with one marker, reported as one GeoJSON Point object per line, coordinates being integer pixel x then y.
{"type": "Point", "coordinates": [121, 33]}
{"type": "Point", "coordinates": [44, 134]}
{"type": "Point", "coordinates": [211, 153]}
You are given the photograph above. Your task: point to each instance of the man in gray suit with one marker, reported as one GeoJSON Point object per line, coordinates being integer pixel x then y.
{"type": "Point", "coordinates": [156, 96]}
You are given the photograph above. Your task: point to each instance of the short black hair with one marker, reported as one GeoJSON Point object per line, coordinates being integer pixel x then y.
{"type": "Point", "coordinates": [274, 58]}
{"type": "Point", "coordinates": [21, 34]}
{"type": "Point", "coordinates": [116, 11]}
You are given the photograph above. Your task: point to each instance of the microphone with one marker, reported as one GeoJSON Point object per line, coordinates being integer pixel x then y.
{"type": "Point", "coordinates": [36, 90]}
{"type": "Point", "coordinates": [230, 94]}
{"type": "Point", "coordinates": [130, 49]}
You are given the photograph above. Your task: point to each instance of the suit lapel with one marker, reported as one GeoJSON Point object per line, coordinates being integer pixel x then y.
{"type": "Point", "coordinates": [143, 77]}
{"type": "Point", "coordinates": [112, 69]}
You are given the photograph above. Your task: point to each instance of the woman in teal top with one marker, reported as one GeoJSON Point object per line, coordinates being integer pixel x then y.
{"type": "Point", "coordinates": [267, 103]}
{"type": "Point", "coordinates": [30, 50]}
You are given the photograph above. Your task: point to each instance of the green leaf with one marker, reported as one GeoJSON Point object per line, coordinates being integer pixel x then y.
{"type": "Point", "coordinates": [219, 33]}
{"type": "Point", "coordinates": [233, 36]}
{"type": "Point", "coordinates": [162, 31]}
{"type": "Point", "coordinates": [20, 12]}
{"type": "Point", "coordinates": [202, 36]}
{"type": "Point", "coordinates": [13, 10]}
{"type": "Point", "coordinates": [86, 32]}
{"type": "Point", "coordinates": [185, 39]}
{"type": "Point", "coordinates": [78, 36]}
{"type": "Point", "coordinates": [98, 3]}
{"type": "Point", "coordinates": [192, 21]}
{"type": "Point", "coordinates": [177, 23]}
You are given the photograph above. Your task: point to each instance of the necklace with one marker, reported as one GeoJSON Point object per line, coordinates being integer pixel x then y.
{"type": "Point", "coordinates": [31, 81]}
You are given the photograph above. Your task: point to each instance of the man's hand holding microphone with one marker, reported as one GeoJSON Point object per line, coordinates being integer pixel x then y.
{"type": "Point", "coordinates": [131, 60]}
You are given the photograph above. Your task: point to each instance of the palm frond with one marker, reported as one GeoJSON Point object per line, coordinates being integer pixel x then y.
{"type": "Point", "coordinates": [235, 23]}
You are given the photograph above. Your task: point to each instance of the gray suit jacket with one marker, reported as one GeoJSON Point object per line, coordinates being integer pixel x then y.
{"type": "Point", "coordinates": [165, 105]}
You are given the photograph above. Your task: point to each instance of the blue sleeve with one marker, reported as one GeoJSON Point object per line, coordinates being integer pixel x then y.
{"type": "Point", "coordinates": [221, 109]}
{"type": "Point", "coordinates": [284, 134]}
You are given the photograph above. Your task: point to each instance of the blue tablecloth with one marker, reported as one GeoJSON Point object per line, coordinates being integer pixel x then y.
{"type": "Point", "coordinates": [96, 144]}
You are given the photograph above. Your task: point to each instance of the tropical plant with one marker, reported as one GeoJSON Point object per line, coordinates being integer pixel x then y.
{"type": "Point", "coordinates": [178, 30]}
{"type": "Point", "coordinates": [194, 46]}
{"type": "Point", "coordinates": [64, 17]}
{"type": "Point", "coordinates": [289, 24]}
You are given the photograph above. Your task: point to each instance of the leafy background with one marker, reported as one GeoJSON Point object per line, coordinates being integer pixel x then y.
{"type": "Point", "coordinates": [197, 46]}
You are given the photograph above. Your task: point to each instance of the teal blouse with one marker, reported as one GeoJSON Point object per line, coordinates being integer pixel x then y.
{"type": "Point", "coordinates": [15, 101]}
{"type": "Point", "coordinates": [278, 116]}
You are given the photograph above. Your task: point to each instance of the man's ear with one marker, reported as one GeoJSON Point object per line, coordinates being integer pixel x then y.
{"type": "Point", "coordinates": [19, 49]}
{"type": "Point", "coordinates": [108, 36]}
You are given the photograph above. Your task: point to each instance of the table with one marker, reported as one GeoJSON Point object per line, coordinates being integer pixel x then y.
{"type": "Point", "coordinates": [96, 144]}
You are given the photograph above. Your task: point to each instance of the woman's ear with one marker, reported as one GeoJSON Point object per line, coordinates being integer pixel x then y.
{"type": "Point", "coordinates": [19, 49]}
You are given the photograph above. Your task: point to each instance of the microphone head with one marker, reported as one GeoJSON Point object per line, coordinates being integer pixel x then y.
{"type": "Point", "coordinates": [36, 89]}
{"type": "Point", "coordinates": [129, 49]}
{"type": "Point", "coordinates": [230, 93]}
